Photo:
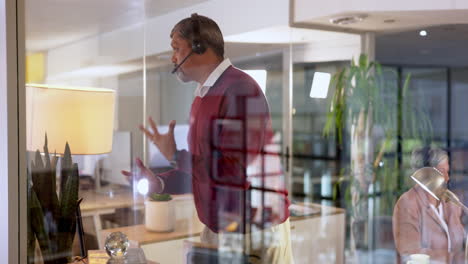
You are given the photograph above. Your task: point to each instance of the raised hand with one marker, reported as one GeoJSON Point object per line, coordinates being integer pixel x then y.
{"type": "Point", "coordinates": [154, 183]}
{"type": "Point", "coordinates": [165, 142]}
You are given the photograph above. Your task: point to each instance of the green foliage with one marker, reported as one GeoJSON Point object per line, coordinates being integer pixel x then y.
{"type": "Point", "coordinates": [52, 218]}
{"type": "Point", "coordinates": [362, 88]}
{"type": "Point", "coordinates": [160, 197]}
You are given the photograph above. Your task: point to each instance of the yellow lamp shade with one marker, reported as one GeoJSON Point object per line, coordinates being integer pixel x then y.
{"type": "Point", "coordinates": [83, 117]}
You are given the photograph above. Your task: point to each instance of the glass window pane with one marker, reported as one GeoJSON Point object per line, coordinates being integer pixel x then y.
{"type": "Point", "coordinates": [428, 91]}
{"type": "Point", "coordinates": [85, 89]}
{"type": "Point", "coordinates": [205, 137]}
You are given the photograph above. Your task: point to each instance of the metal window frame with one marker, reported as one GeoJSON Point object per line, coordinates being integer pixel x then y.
{"type": "Point", "coordinates": [13, 195]}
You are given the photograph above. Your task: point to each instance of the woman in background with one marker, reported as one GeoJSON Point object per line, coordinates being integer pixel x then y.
{"type": "Point", "coordinates": [425, 225]}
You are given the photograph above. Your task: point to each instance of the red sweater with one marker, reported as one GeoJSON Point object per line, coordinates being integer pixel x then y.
{"type": "Point", "coordinates": [229, 129]}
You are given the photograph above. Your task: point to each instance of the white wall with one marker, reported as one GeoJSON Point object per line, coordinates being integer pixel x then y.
{"type": "Point", "coordinates": [340, 49]}
{"type": "Point", "coordinates": [130, 110]}
{"type": "Point", "coordinates": [175, 99]}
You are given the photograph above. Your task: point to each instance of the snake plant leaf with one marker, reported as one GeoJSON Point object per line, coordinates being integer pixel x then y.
{"type": "Point", "coordinates": [47, 198]}
{"type": "Point", "coordinates": [55, 160]}
{"type": "Point", "coordinates": [47, 164]}
{"type": "Point", "coordinates": [44, 185]}
{"type": "Point", "coordinates": [67, 159]}
{"type": "Point", "coordinates": [67, 165]}
{"type": "Point", "coordinates": [68, 206]}
{"type": "Point", "coordinates": [38, 225]}
{"type": "Point", "coordinates": [52, 221]}
{"type": "Point", "coordinates": [39, 165]}
{"type": "Point", "coordinates": [31, 235]}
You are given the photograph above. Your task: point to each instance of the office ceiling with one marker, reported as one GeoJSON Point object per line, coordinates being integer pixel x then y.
{"type": "Point", "coordinates": [444, 45]}
{"type": "Point", "coordinates": [398, 40]}
{"type": "Point", "coordinates": [387, 21]}
{"type": "Point", "coordinates": [52, 23]}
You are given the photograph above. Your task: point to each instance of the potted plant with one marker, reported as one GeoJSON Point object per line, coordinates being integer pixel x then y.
{"type": "Point", "coordinates": [52, 214]}
{"type": "Point", "coordinates": [361, 106]}
{"type": "Point", "coordinates": [159, 213]}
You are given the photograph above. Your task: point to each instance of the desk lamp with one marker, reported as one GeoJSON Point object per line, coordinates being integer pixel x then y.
{"type": "Point", "coordinates": [433, 182]}
{"type": "Point", "coordinates": [83, 117]}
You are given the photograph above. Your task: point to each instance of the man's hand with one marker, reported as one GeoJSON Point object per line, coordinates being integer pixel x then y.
{"type": "Point", "coordinates": [154, 183]}
{"type": "Point", "coordinates": [165, 142]}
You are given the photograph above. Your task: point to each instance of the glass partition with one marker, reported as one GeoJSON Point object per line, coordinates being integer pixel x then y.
{"type": "Point", "coordinates": [157, 133]}
{"type": "Point", "coordinates": [85, 94]}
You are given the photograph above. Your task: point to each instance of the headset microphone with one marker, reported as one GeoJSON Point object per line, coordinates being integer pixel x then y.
{"type": "Point", "coordinates": [180, 64]}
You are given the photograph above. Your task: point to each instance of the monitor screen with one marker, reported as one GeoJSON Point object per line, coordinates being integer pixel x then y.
{"type": "Point", "coordinates": [110, 164]}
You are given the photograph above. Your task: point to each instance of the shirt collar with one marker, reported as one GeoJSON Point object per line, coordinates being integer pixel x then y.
{"type": "Point", "coordinates": [202, 89]}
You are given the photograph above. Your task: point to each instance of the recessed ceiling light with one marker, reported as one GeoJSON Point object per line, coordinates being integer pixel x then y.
{"type": "Point", "coordinates": [423, 33]}
{"type": "Point", "coordinates": [346, 20]}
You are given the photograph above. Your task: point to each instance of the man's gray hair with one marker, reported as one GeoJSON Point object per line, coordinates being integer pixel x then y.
{"type": "Point", "coordinates": [210, 33]}
{"type": "Point", "coordinates": [427, 157]}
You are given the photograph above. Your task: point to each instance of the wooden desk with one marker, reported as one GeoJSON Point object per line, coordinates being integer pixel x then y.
{"type": "Point", "coordinates": [96, 204]}
{"type": "Point", "coordinates": [139, 236]}
{"type": "Point", "coordinates": [163, 247]}
{"type": "Point", "coordinates": [104, 260]}
{"type": "Point", "coordinates": [319, 238]}
{"type": "Point", "coordinates": [122, 198]}
{"type": "Point", "coordinates": [315, 238]}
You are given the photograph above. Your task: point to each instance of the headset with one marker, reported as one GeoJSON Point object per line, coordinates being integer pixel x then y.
{"type": "Point", "coordinates": [197, 45]}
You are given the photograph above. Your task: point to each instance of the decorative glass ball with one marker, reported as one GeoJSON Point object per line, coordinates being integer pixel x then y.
{"type": "Point", "coordinates": [116, 245]}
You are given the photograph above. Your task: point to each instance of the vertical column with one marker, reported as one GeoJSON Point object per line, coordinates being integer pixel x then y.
{"type": "Point", "coordinates": [449, 115]}
{"type": "Point", "coordinates": [12, 134]}
{"type": "Point", "coordinates": [145, 91]}
{"type": "Point", "coordinates": [368, 45]}
{"type": "Point", "coordinates": [287, 117]}
{"type": "Point", "coordinates": [368, 48]}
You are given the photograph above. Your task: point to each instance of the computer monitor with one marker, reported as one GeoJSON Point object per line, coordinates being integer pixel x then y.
{"type": "Point", "coordinates": [111, 164]}
{"type": "Point", "coordinates": [119, 159]}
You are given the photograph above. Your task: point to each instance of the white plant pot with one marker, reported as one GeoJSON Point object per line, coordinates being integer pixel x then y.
{"type": "Point", "coordinates": [159, 215]}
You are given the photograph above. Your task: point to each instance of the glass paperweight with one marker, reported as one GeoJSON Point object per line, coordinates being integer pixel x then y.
{"type": "Point", "coordinates": [116, 245]}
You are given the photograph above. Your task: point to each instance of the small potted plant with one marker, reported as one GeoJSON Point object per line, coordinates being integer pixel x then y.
{"type": "Point", "coordinates": [159, 213]}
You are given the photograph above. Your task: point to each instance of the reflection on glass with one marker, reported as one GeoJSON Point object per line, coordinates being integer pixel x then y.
{"type": "Point", "coordinates": [227, 179]}
{"type": "Point", "coordinates": [424, 223]}
{"type": "Point", "coordinates": [237, 195]}
{"type": "Point", "coordinates": [71, 46]}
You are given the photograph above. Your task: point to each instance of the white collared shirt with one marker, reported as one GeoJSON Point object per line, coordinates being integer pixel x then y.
{"type": "Point", "coordinates": [440, 215]}
{"type": "Point", "coordinates": [202, 89]}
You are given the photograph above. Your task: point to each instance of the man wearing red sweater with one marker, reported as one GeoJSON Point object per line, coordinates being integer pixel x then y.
{"type": "Point", "coordinates": [227, 165]}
